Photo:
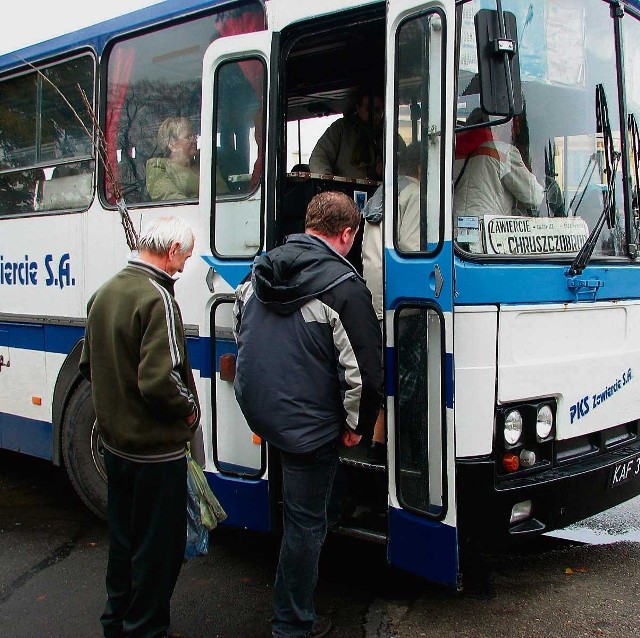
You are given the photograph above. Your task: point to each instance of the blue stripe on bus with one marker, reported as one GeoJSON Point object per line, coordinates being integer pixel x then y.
{"type": "Point", "coordinates": [412, 279]}
{"type": "Point", "coordinates": [423, 546]}
{"type": "Point", "coordinates": [200, 355]}
{"type": "Point", "coordinates": [61, 339]}
{"type": "Point", "coordinates": [28, 436]}
{"type": "Point", "coordinates": [47, 337]}
{"type": "Point", "coordinates": [538, 283]}
{"type": "Point", "coordinates": [246, 502]}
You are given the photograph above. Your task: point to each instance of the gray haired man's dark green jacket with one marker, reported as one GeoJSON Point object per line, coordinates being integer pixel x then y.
{"type": "Point", "coordinates": [135, 356]}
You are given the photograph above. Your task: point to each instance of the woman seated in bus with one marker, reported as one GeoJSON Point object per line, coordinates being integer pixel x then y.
{"type": "Point", "coordinates": [175, 174]}
{"type": "Point", "coordinates": [490, 176]}
{"type": "Point", "coordinates": [408, 222]}
{"type": "Point", "coordinates": [352, 145]}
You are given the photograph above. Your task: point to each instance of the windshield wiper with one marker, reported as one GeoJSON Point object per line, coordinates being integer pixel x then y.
{"type": "Point", "coordinates": [611, 160]}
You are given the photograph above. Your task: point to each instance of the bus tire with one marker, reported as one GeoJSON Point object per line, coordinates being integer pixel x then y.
{"type": "Point", "coordinates": [82, 451]}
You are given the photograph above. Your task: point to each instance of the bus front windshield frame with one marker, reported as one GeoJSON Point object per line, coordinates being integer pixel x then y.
{"type": "Point", "coordinates": [535, 186]}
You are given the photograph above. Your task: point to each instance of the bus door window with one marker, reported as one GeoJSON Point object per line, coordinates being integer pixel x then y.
{"type": "Point", "coordinates": [550, 157]}
{"type": "Point", "coordinates": [419, 425]}
{"type": "Point", "coordinates": [237, 162]}
{"type": "Point", "coordinates": [239, 127]}
{"type": "Point", "coordinates": [153, 77]}
{"type": "Point", "coordinates": [46, 148]}
{"type": "Point", "coordinates": [417, 169]}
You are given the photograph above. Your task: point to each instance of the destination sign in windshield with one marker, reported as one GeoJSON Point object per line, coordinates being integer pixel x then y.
{"type": "Point", "coordinates": [534, 235]}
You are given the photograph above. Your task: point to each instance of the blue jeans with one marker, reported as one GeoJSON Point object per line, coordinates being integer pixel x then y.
{"type": "Point", "coordinates": [307, 480]}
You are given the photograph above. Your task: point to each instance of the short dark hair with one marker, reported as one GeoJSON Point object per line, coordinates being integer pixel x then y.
{"type": "Point", "coordinates": [329, 213]}
{"type": "Point", "coordinates": [371, 92]}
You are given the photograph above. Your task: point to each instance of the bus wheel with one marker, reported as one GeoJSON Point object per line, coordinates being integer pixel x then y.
{"type": "Point", "coordinates": [83, 452]}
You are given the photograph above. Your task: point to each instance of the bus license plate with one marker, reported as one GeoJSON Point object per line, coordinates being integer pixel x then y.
{"type": "Point", "coordinates": [625, 471]}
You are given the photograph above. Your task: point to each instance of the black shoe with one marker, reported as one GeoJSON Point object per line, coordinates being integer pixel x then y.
{"type": "Point", "coordinates": [377, 452]}
{"type": "Point", "coordinates": [321, 627]}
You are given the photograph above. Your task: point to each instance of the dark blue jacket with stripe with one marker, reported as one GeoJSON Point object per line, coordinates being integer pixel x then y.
{"type": "Point", "coordinates": [309, 347]}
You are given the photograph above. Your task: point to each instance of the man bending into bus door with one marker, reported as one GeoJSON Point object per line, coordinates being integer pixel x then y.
{"type": "Point", "coordinates": [490, 176]}
{"type": "Point", "coordinates": [408, 221]}
{"type": "Point", "coordinates": [175, 175]}
{"type": "Point", "coordinates": [135, 335]}
{"type": "Point", "coordinates": [306, 314]}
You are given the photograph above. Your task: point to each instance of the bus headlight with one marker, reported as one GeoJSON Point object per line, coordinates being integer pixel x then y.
{"type": "Point", "coordinates": [512, 427]}
{"type": "Point", "coordinates": [544, 422]}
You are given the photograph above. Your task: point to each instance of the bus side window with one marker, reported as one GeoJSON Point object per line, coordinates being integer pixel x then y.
{"type": "Point", "coordinates": [45, 136]}
{"type": "Point", "coordinates": [70, 186]}
{"type": "Point", "coordinates": [152, 77]}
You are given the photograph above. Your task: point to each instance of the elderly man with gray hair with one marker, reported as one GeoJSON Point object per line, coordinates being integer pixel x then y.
{"type": "Point", "coordinates": [135, 357]}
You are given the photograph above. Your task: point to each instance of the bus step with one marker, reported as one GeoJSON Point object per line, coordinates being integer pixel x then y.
{"type": "Point", "coordinates": [364, 534]}
{"type": "Point", "coordinates": [357, 457]}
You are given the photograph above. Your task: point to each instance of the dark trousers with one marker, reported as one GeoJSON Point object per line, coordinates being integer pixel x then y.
{"type": "Point", "coordinates": [147, 504]}
{"type": "Point", "coordinates": [307, 481]}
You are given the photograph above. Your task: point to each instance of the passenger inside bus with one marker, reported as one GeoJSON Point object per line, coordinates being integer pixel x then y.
{"type": "Point", "coordinates": [352, 145]}
{"type": "Point", "coordinates": [174, 175]}
{"type": "Point", "coordinates": [490, 175]}
{"type": "Point", "coordinates": [408, 221]}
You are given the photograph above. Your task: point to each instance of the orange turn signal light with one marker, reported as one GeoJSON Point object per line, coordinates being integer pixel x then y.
{"type": "Point", "coordinates": [36, 400]}
{"type": "Point", "coordinates": [510, 462]}
{"type": "Point", "coordinates": [256, 439]}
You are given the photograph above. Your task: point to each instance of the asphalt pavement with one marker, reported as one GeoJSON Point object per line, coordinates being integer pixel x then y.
{"type": "Point", "coordinates": [53, 553]}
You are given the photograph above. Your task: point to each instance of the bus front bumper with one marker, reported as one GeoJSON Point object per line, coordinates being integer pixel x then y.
{"type": "Point", "coordinates": [558, 496]}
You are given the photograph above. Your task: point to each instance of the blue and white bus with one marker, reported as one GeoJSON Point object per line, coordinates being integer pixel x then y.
{"type": "Point", "coordinates": [512, 336]}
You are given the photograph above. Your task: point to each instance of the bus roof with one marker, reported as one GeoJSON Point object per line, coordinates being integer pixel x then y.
{"type": "Point", "coordinates": [97, 36]}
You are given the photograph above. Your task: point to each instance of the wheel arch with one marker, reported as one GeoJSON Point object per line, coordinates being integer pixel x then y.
{"type": "Point", "coordinates": [68, 380]}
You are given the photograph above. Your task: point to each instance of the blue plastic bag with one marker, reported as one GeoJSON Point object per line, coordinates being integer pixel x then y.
{"type": "Point", "coordinates": [197, 533]}
{"type": "Point", "coordinates": [204, 512]}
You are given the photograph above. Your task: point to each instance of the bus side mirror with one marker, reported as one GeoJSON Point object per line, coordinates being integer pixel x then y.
{"type": "Point", "coordinates": [498, 63]}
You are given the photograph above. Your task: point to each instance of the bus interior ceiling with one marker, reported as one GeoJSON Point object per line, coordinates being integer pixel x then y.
{"type": "Point", "coordinates": [324, 69]}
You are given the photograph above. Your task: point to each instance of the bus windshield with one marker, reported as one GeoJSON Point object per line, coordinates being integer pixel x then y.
{"type": "Point", "coordinates": [535, 185]}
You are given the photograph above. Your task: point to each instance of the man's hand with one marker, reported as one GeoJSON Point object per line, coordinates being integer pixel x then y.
{"type": "Point", "coordinates": [349, 438]}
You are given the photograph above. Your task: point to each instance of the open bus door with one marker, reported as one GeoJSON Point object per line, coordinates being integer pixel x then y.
{"type": "Point", "coordinates": [232, 194]}
{"type": "Point", "coordinates": [419, 288]}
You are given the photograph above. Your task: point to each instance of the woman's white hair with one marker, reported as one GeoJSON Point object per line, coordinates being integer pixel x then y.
{"type": "Point", "coordinates": [159, 234]}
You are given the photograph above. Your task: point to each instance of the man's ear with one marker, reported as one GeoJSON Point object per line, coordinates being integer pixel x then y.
{"type": "Point", "coordinates": [174, 248]}
{"type": "Point", "coordinates": [347, 234]}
